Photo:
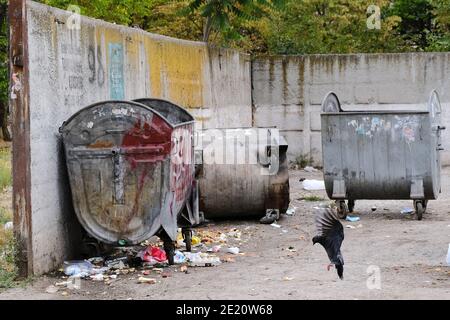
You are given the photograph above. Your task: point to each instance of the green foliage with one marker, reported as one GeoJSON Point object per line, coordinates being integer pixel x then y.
{"type": "Point", "coordinates": [439, 40]}
{"type": "Point", "coordinates": [224, 16]}
{"type": "Point", "coordinates": [5, 168]}
{"type": "Point", "coordinates": [8, 269]}
{"type": "Point", "coordinates": [331, 26]}
{"type": "Point", "coordinates": [313, 198]}
{"type": "Point", "coordinates": [304, 160]}
{"type": "Point", "coordinates": [158, 16]}
{"type": "Point", "coordinates": [3, 52]}
{"type": "Point", "coordinates": [416, 21]}
{"type": "Point", "coordinates": [284, 26]}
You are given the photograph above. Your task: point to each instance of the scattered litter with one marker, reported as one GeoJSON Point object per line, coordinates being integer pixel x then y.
{"type": "Point", "coordinates": [215, 249]}
{"type": "Point", "coordinates": [271, 216]}
{"type": "Point", "coordinates": [200, 259]}
{"type": "Point", "coordinates": [352, 219]}
{"type": "Point", "coordinates": [350, 227]}
{"type": "Point", "coordinates": [228, 259]}
{"type": "Point", "coordinates": [52, 289]}
{"type": "Point", "coordinates": [63, 283]}
{"type": "Point", "coordinates": [233, 250]}
{"type": "Point", "coordinates": [98, 277]}
{"type": "Point", "coordinates": [116, 265]}
{"type": "Point", "coordinates": [284, 231]}
{"type": "Point", "coordinates": [310, 169]}
{"type": "Point", "coordinates": [79, 268]}
{"type": "Point", "coordinates": [208, 237]}
{"type": "Point", "coordinates": [150, 259]}
{"type": "Point", "coordinates": [374, 209]}
{"type": "Point", "coordinates": [288, 279]}
{"type": "Point", "coordinates": [275, 225]}
{"type": "Point", "coordinates": [291, 249]}
{"type": "Point", "coordinates": [96, 260]}
{"type": "Point", "coordinates": [313, 185]}
{"type": "Point", "coordinates": [8, 225]}
{"type": "Point", "coordinates": [196, 241]}
{"type": "Point", "coordinates": [407, 211]}
{"type": "Point", "coordinates": [153, 255]}
{"type": "Point", "coordinates": [64, 293]}
{"type": "Point", "coordinates": [179, 257]}
{"type": "Point", "coordinates": [290, 212]}
{"type": "Point", "coordinates": [180, 240]}
{"type": "Point", "coordinates": [147, 280]}
{"type": "Point", "coordinates": [235, 233]}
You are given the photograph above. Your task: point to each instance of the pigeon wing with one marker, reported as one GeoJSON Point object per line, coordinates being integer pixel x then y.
{"type": "Point", "coordinates": [330, 232]}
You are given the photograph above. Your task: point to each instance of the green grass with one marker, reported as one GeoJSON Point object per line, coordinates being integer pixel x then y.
{"type": "Point", "coordinates": [313, 198]}
{"type": "Point", "coordinates": [5, 216]}
{"type": "Point", "coordinates": [303, 161]}
{"type": "Point", "coordinates": [8, 269]}
{"type": "Point", "coordinates": [5, 168]}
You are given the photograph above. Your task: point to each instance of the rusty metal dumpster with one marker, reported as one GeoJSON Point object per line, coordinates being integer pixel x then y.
{"type": "Point", "coordinates": [131, 171]}
{"type": "Point", "coordinates": [384, 155]}
{"type": "Point", "coordinates": [242, 172]}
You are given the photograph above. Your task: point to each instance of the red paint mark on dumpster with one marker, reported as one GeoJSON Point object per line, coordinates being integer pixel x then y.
{"type": "Point", "coordinates": [144, 146]}
{"type": "Point", "coordinates": [182, 167]}
{"type": "Point", "coordinates": [147, 142]}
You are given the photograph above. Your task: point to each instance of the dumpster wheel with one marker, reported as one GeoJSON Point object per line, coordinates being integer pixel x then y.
{"type": "Point", "coordinates": [342, 209]}
{"type": "Point", "coordinates": [421, 207]}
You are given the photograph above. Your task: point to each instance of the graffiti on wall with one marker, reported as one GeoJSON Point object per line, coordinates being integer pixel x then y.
{"type": "Point", "coordinates": [116, 72]}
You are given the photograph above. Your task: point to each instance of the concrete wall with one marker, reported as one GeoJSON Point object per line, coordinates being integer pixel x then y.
{"type": "Point", "coordinates": [71, 69]}
{"type": "Point", "coordinates": [288, 90]}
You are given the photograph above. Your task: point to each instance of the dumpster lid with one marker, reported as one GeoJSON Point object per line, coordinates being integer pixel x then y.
{"type": "Point", "coordinates": [124, 103]}
{"type": "Point", "coordinates": [174, 114]}
{"type": "Point", "coordinates": [332, 106]}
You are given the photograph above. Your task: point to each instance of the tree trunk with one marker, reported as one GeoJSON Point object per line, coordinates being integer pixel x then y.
{"type": "Point", "coordinates": [4, 121]}
{"type": "Point", "coordinates": [207, 29]}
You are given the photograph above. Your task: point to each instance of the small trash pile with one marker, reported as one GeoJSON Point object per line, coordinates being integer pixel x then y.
{"type": "Point", "coordinates": [210, 248]}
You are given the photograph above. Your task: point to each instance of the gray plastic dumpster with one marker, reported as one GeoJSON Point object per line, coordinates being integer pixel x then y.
{"type": "Point", "coordinates": [383, 155]}
{"type": "Point", "coordinates": [131, 171]}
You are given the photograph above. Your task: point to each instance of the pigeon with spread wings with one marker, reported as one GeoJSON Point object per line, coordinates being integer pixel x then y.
{"type": "Point", "coordinates": [330, 234]}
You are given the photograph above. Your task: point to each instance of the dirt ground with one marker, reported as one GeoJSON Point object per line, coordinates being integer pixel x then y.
{"type": "Point", "coordinates": [410, 256]}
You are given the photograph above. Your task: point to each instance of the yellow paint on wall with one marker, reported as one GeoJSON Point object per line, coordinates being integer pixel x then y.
{"type": "Point", "coordinates": [175, 68]}
{"type": "Point", "coordinates": [176, 72]}
{"type": "Point", "coordinates": [154, 61]}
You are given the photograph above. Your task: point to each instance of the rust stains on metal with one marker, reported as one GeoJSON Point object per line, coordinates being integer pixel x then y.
{"type": "Point", "coordinates": [154, 136]}
{"type": "Point", "coordinates": [125, 191]}
{"type": "Point", "coordinates": [21, 132]}
{"type": "Point", "coordinates": [101, 144]}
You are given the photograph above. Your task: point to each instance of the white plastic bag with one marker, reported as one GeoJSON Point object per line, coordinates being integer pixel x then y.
{"type": "Point", "coordinates": [313, 185]}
